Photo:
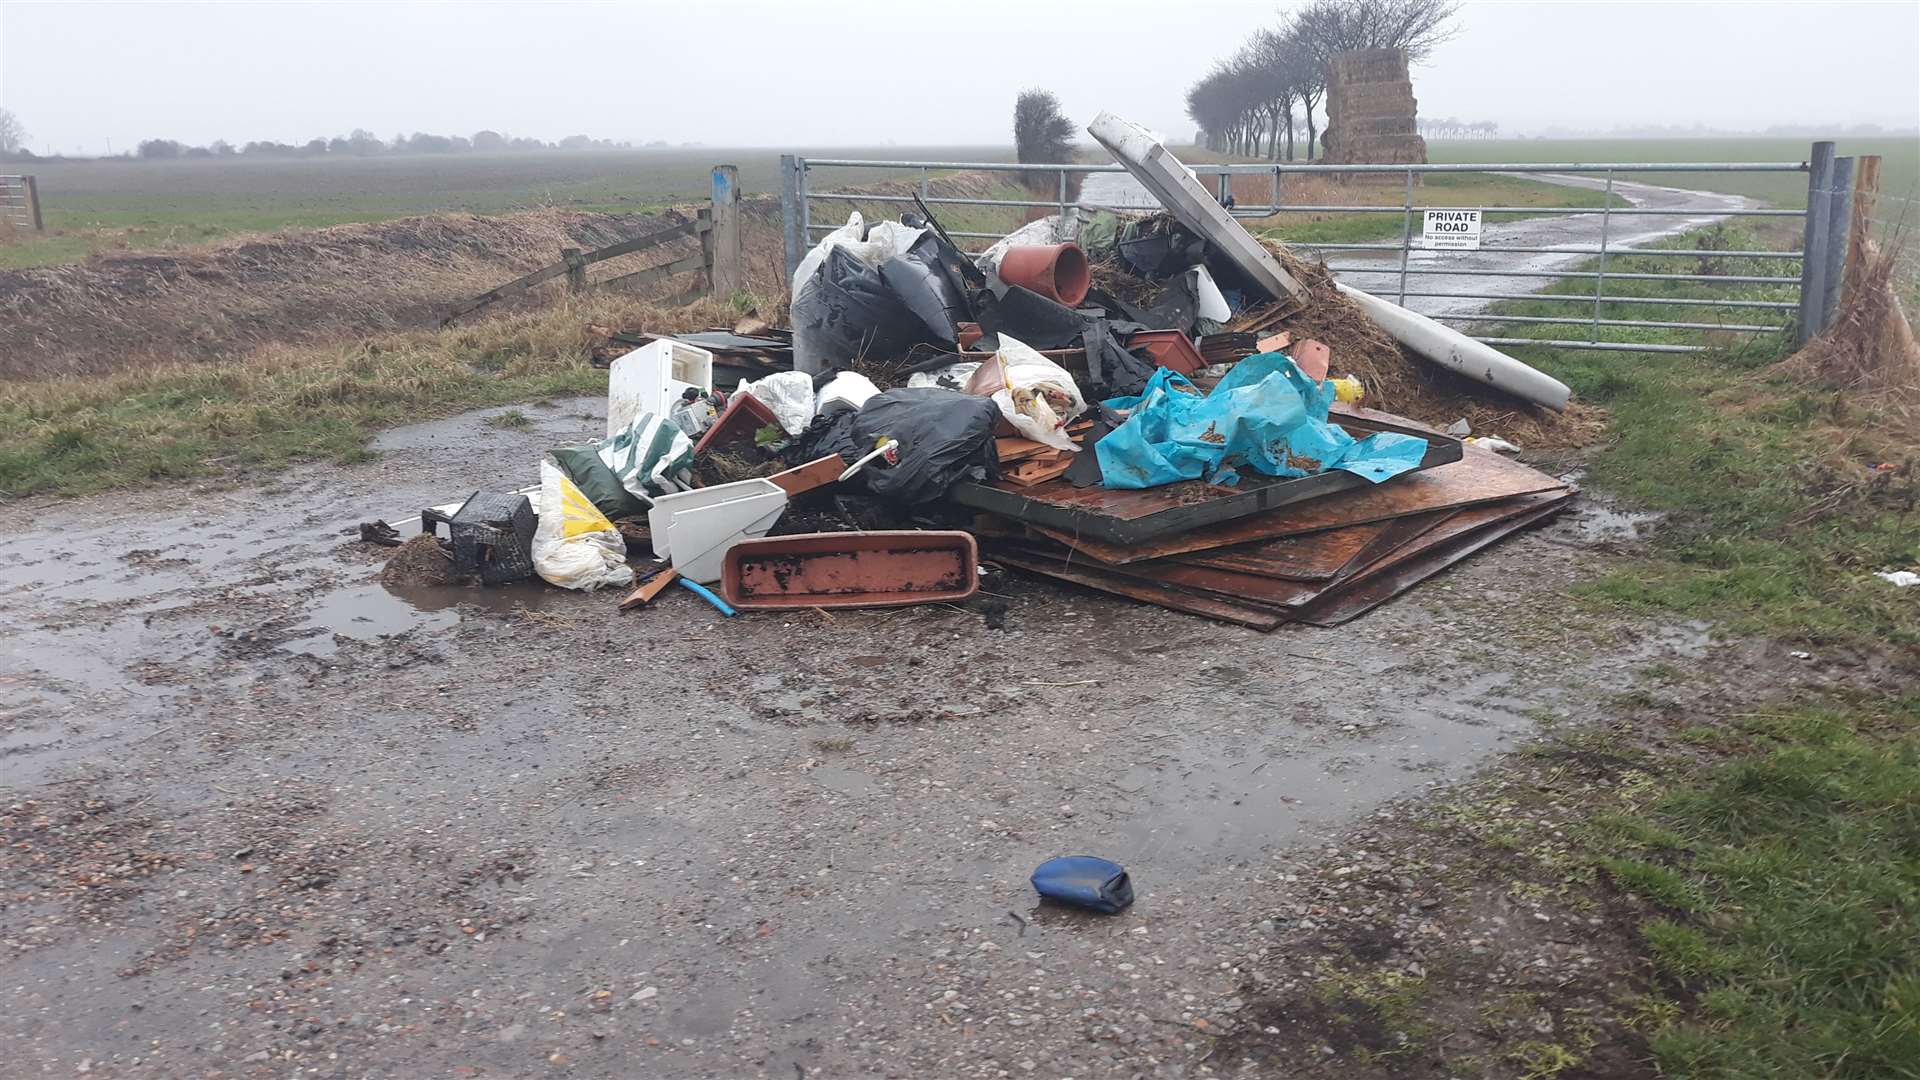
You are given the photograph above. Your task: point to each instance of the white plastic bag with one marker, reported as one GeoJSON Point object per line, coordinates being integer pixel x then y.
{"type": "Point", "coordinates": [885, 240]}
{"type": "Point", "coordinates": [848, 389]}
{"type": "Point", "coordinates": [1036, 395]}
{"type": "Point", "coordinates": [575, 546]}
{"type": "Point", "coordinates": [789, 394]}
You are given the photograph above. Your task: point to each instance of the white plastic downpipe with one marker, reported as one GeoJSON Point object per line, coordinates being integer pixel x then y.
{"type": "Point", "coordinates": [1457, 352]}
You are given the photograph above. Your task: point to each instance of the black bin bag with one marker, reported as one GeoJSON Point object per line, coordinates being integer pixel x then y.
{"type": "Point", "coordinates": [942, 433]}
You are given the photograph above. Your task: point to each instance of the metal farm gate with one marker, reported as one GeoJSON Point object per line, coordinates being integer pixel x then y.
{"type": "Point", "coordinates": [1449, 285]}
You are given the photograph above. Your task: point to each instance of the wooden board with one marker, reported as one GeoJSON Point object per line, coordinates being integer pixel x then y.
{"type": "Point", "coordinates": [1480, 476]}
{"type": "Point", "coordinates": [1310, 557]}
{"type": "Point", "coordinates": [1459, 523]}
{"type": "Point", "coordinates": [1015, 449]}
{"type": "Point", "coordinates": [1140, 515]}
{"type": "Point", "coordinates": [814, 474]}
{"type": "Point", "coordinates": [648, 589]}
{"type": "Point", "coordinates": [1376, 588]}
{"type": "Point", "coordinates": [1146, 591]}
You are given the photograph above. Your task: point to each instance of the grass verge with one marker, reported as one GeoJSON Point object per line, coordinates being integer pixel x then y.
{"type": "Point", "coordinates": [288, 404]}
{"type": "Point", "coordinates": [1785, 886]}
{"type": "Point", "coordinates": [1783, 497]}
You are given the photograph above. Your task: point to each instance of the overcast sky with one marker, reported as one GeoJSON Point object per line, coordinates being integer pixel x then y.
{"type": "Point", "coordinates": [811, 73]}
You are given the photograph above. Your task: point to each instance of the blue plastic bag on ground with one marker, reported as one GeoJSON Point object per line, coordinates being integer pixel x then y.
{"type": "Point", "coordinates": [1265, 415]}
{"type": "Point", "coordinates": [1086, 881]}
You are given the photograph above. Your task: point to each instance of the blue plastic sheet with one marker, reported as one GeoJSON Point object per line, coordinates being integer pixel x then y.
{"type": "Point", "coordinates": [1266, 415]}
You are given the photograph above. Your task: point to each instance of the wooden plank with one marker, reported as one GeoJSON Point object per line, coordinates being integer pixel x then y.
{"type": "Point", "coordinates": [641, 243]}
{"type": "Point", "coordinates": [649, 589]}
{"type": "Point", "coordinates": [1309, 557]}
{"type": "Point", "coordinates": [518, 285]}
{"type": "Point", "coordinates": [1351, 601]}
{"type": "Point", "coordinates": [1014, 449]}
{"type": "Point", "coordinates": [1039, 470]}
{"type": "Point", "coordinates": [1480, 476]}
{"type": "Point", "coordinates": [648, 277]}
{"type": "Point", "coordinates": [1145, 591]}
{"type": "Point", "coordinates": [814, 474]}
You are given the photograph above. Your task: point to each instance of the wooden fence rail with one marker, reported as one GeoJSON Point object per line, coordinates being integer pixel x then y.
{"type": "Point", "coordinates": [20, 203]}
{"type": "Point", "coordinates": [719, 261]}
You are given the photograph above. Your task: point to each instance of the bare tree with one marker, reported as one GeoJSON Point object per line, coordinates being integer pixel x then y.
{"type": "Point", "coordinates": [1323, 28]}
{"type": "Point", "coordinates": [1326, 27]}
{"type": "Point", "coordinates": [13, 134]}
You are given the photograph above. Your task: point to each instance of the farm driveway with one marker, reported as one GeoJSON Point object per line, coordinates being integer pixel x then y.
{"type": "Point", "coordinates": [1570, 230]}
{"type": "Point", "coordinates": [262, 816]}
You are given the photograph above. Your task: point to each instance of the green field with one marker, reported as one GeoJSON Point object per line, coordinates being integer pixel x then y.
{"type": "Point", "coordinates": [1899, 165]}
{"type": "Point", "coordinates": [113, 205]}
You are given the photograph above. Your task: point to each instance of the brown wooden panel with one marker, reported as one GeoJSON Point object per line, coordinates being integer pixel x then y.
{"type": "Point", "coordinates": [1414, 565]}
{"type": "Point", "coordinates": [1480, 476]}
{"type": "Point", "coordinates": [1145, 591]}
{"type": "Point", "coordinates": [1310, 557]}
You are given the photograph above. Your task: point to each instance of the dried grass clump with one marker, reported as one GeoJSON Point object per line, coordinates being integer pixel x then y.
{"type": "Point", "coordinates": [1870, 348]}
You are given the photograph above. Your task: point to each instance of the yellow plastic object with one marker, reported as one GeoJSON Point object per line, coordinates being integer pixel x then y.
{"type": "Point", "coordinates": [1348, 389]}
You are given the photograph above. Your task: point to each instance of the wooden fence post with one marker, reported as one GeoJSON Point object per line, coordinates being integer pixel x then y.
{"type": "Point", "coordinates": [727, 278]}
{"type": "Point", "coordinates": [33, 203]}
{"type": "Point", "coordinates": [576, 269]}
{"type": "Point", "coordinates": [1866, 190]}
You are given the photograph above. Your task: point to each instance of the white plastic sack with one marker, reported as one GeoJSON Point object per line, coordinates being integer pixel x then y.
{"type": "Point", "coordinates": [951, 377]}
{"type": "Point", "coordinates": [885, 240]}
{"type": "Point", "coordinates": [849, 388]}
{"type": "Point", "coordinates": [575, 546]}
{"type": "Point", "coordinates": [1039, 397]}
{"type": "Point", "coordinates": [789, 394]}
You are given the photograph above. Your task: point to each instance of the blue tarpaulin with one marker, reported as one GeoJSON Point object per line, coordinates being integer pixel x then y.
{"type": "Point", "coordinates": [1266, 415]}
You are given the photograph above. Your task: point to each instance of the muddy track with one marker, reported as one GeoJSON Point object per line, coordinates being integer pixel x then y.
{"type": "Point", "coordinates": [259, 813]}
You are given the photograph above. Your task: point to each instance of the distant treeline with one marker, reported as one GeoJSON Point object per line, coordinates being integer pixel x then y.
{"type": "Point", "coordinates": [364, 143]}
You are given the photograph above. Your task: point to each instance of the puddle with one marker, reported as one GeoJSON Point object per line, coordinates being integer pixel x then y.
{"type": "Point", "coordinates": [366, 613]}
{"type": "Point", "coordinates": [567, 420]}
{"type": "Point", "coordinates": [1197, 808]}
{"type": "Point", "coordinates": [1593, 524]}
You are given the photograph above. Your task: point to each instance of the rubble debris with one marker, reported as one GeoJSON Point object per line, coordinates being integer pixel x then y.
{"type": "Point", "coordinates": [379, 532]}
{"type": "Point", "coordinates": [1085, 881]}
{"type": "Point", "coordinates": [1212, 375]}
{"type": "Point", "coordinates": [418, 561]}
{"type": "Point", "coordinates": [859, 569]}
